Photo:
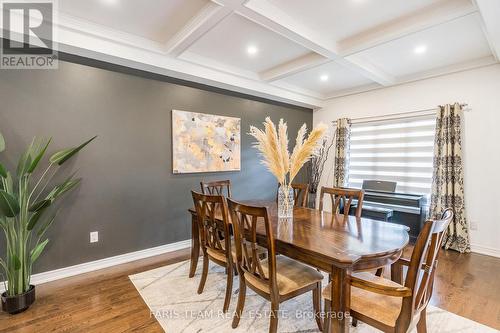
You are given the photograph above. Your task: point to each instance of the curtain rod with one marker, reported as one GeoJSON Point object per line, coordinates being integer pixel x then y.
{"type": "Point", "coordinates": [400, 115]}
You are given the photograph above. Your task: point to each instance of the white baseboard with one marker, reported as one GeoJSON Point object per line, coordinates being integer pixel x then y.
{"type": "Point", "coordinates": [489, 251]}
{"type": "Point", "coordinates": [104, 263]}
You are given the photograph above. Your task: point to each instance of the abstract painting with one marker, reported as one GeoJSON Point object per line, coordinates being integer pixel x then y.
{"type": "Point", "coordinates": [205, 142]}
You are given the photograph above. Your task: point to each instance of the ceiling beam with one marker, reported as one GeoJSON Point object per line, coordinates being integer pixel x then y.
{"type": "Point", "coordinates": [206, 62]}
{"type": "Point", "coordinates": [273, 18]}
{"type": "Point", "coordinates": [364, 67]}
{"type": "Point", "coordinates": [294, 66]}
{"type": "Point", "coordinates": [208, 17]}
{"type": "Point", "coordinates": [428, 17]}
{"type": "Point", "coordinates": [298, 90]}
{"type": "Point", "coordinates": [489, 10]}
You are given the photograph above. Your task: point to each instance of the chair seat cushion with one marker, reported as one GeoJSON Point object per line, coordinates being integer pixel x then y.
{"type": "Point", "coordinates": [382, 308]}
{"type": "Point", "coordinates": [221, 255]}
{"type": "Point", "coordinates": [291, 275]}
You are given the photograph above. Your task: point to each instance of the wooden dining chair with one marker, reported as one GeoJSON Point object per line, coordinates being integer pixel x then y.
{"type": "Point", "coordinates": [342, 199]}
{"type": "Point", "coordinates": [215, 239]}
{"type": "Point", "coordinates": [275, 278]}
{"type": "Point", "coordinates": [393, 305]}
{"type": "Point", "coordinates": [218, 187]}
{"type": "Point", "coordinates": [300, 194]}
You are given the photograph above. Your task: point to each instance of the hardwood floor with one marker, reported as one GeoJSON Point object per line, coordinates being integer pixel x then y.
{"type": "Point", "coordinates": [106, 300]}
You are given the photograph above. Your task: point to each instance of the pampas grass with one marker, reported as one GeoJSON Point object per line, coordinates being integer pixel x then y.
{"type": "Point", "coordinates": [283, 141]}
{"type": "Point", "coordinates": [272, 144]}
{"type": "Point", "coordinates": [267, 144]}
{"type": "Point", "coordinates": [304, 150]}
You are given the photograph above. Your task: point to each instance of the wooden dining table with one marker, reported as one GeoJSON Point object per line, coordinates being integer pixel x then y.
{"type": "Point", "coordinates": [330, 242]}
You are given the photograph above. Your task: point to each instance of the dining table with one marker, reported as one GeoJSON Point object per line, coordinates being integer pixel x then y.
{"type": "Point", "coordinates": [333, 243]}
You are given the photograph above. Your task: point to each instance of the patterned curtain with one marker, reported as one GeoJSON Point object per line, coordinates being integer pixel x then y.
{"type": "Point", "coordinates": [448, 176]}
{"type": "Point", "coordinates": [342, 143]}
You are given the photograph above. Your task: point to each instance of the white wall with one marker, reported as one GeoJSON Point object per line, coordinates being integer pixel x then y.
{"type": "Point", "coordinates": [480, 88]}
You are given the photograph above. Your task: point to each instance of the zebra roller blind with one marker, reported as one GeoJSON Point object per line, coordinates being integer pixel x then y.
{"type": "Point", "coordinates": [398, 150]}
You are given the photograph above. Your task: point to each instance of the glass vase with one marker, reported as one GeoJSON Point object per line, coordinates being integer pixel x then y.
{"type": "Point", "coordinates": [285, 202]}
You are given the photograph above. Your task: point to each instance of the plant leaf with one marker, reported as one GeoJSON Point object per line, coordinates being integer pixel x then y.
{"type": "Point", "coordinates": [2, 143]}
{"type": "Point", "coordinates": [16, 262]}
{"type": "Point", "coordinates": [42, 204]}
{"type": "Point", "coordinates": [35, 253]}
{"type": "Point", "coordinates": [66, 186]}
{"type": "Point", "coordinates": [9, 206]}
{"type": "Point", "coordinates": [39, 152]}
{"type": "Point", "coordinates": [3, 171]}
{"type": "Point", "coordinates": [44, 228]}
{"type": "Point", "coordinates": [9, 186]}
{"type": "Point", "coordinates": [63, 155]}
{"type": "Point", "coordinates": [34, 219]}
{"type": "Point", "coordinates": [24, 162]}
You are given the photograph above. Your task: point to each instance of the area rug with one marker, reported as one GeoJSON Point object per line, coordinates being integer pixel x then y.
{"type": "Point", "coordinates": [173, 301]}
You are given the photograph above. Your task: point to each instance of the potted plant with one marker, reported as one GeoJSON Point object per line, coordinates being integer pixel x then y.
{"type": "Point", "coordinates": [25, 217]}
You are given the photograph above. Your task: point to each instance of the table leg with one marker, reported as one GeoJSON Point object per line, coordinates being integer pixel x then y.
{"type": "Point", "coordinates": [195, 245]}
{"type": "Point", "coordinates": [340, 300]}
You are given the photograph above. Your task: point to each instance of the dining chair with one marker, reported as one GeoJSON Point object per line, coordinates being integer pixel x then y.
{"type": "Point", "coordinates": [300, 194]}
{"type": "Point", "coordinates": [300, 191]}
{"type": "Point", "coordinates": [394, 305]}
{"type": "Point", "coordinates": [275, 278]}
{"type": "Point", "coordinates": [215, 239]}
{"type": "Point", "coordinates": [217, 187]}
{"type": "Point", "coordinates": [342, 199]}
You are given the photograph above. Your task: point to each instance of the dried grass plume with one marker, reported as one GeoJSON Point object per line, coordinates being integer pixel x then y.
{"type": "Point", "coordinates": [272, 144]}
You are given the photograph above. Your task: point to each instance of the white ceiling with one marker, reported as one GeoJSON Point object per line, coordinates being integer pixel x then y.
{"type": "Point", "coordinates": [343, 18]}
{"type": "Point", "coordinates": [157, 20]}
{"type": "Point", "coordinates": [447, 44]}
{"type": "Point", "coordinates": [228, 41]}
{"type": "Point", "coordinates": [335, 78]}
{"type": "Point", "coordinates": [359, 44]}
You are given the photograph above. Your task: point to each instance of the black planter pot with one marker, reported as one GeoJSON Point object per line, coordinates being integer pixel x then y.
{"type": "Point", "coordinates": [18, 303]}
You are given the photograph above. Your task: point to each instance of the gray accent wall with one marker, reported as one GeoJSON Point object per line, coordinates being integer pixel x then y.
{"type": "Point", "coordinates": [128, 192]}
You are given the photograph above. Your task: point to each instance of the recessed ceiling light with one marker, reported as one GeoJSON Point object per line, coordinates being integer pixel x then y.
{"type": "Point", "coordinates": [252, 50]}
{"type": "Point", "coordinates": [420, 49]}
{"type": "Point", "coordinates": [324, 77]}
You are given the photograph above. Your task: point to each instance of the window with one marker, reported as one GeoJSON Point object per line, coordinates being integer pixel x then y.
{"type": "Point", "coordinates": [399, 150]}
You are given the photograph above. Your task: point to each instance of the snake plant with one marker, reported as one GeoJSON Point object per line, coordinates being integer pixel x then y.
{"type": "Point", "coordinates": [25, 213]}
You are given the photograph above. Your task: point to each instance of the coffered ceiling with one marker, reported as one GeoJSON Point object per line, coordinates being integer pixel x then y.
{"type": "Point", "coordinates": [298, 51]}
{"type": "Point", "coordinates": [158, 20]}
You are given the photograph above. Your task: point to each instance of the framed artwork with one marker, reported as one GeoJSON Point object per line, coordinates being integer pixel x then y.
{"type": "Point", "coordinates": [205, 142]}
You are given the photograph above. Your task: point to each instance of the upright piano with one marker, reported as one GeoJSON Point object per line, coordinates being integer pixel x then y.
{"type": "Point", "coordinates": [382, 202]}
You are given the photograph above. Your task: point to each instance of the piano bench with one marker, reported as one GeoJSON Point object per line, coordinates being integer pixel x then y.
{"type": "Point", "coordinates": [377, 213]}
